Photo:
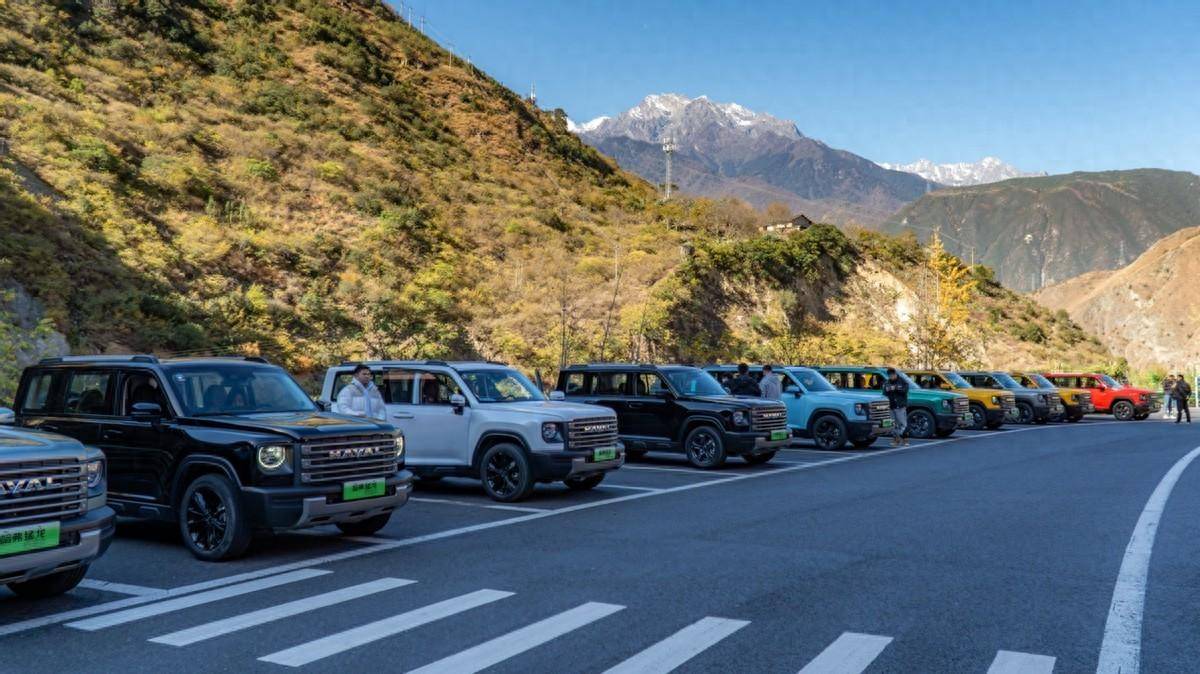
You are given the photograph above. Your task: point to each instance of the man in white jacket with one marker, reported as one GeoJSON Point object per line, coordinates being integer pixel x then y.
{"type": "Point", "coordinates": [361, 397]}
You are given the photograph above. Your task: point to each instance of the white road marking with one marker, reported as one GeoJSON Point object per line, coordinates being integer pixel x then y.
{"type": "Point", "coordinates": [1012, 662]}
{"type": "Point", "coordinates": [64, 616]}
{"type": "Point", "coordinates": [1121, 649]}
{"type": "Point", "coordinates": [516, 642]}
{"type": "Point", "coordinates": [668, 654]}
{"type": "Point", "coordinates": [850, 653]}
{"type": "Point", "coordinates": [493, 506]}
{"type": "Point", "coordinates": [380, 629]}
{"type": "Point", "coordinates": [218, 628]}
{"type": "Point", "coordinates": [132, 614]}
{"type": "Point", "coordinates": [607, 485]}
{"type": "Point", "coordinates": [118, 588]}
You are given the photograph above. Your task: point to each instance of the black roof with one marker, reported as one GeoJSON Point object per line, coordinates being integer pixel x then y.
{"type": "Point", "coordinates": [144, 359]}
{"type": "Point", "coordinates": [648, 367]}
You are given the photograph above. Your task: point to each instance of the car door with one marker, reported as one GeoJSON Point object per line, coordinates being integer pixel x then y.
{"type": "Point", "coordinates": [649, 408]}
{"type": "Point", "coordinates": [142, 453]}
{"type": "Point", "coordinates": [437, 431]}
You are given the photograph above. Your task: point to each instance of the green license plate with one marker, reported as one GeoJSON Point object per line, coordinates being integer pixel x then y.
{"type": "Point", "coordinates": [779, 435]}
{"type": "Point", "coordinates": [25, 539]}
{"type": "Point", "coordinates": [360, 489]}
{"type": "Point", "coordinates": [968, 418]}
{"type": "Point", "coordinates": [886, 423]}
{"type": "Point", "coordinates": [604, 454]}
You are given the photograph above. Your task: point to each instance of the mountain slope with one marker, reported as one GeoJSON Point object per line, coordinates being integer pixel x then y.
{"type": "Point", "coordinates": [986, 170]}
{"type": "Point", "coordinates": [1148, 311]}
{"type": "Point", "coordinates": [725, 149]}
{"type": "Point", "coordinates": [1038, 231]}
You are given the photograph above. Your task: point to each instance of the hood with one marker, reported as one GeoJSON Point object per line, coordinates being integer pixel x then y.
{"type": "Point", "coordinates": [297, 425]}
{"type": "Point", "coordinates": [735, 401]}
{"type": "Point", "coordinates": [21, 445]}
{"type": "Point", "coordinates": [935, 394]}
{"type": "Point", "coordinates": [552, 409]}
{"type": "Point", "coordinates": [842, 396]}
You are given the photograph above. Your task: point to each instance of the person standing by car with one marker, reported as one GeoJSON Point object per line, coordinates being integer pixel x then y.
{"type": "Point", "coordinates": [771, 384]}
{"type": "Point", "coordinates": [1168, 396]}
{"type": "Point", "coordinates": [1183, 394]}
{"type": "Point", "coordinates": [361, 397]}
{"type": "Point", "coordinates": [743, 384]}
{"type": "Point", "coordinates": [896, 391]}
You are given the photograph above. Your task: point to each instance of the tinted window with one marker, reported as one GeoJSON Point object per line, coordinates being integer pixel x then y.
{"type": "Point", "coordinates": [205, 390]}
{"type": "Point", "coordinates": [88, 393]}
{"type": "Point", "coordinates": [37, 395]}
{"type": "Point", "coordinates": [574, 383]}
{"type": "Point", "coordinates": [930, 381]}
{"type": "Point", "coordinates": [648, 384]}
{"type": "Point", "coordinates": [692, 382]}
{"type": "Point", "coordinates": [812, 380]}
{"type": "Point", "coordinates": [436, 388]}
{"type": "Point", "coordinates": [499, 386]}
{"type": "Point", "coordinates": [141, 387]}
{"type": "Point", "coordinates": [608, 383]}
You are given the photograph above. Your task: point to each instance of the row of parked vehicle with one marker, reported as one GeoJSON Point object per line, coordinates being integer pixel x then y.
{"type": "Point", "coordinates": [227, 447]}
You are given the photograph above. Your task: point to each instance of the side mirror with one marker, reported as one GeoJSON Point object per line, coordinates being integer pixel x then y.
{"type": "Point", "coordinates": [458, 402]}
{"type": "Point", "coordinates": [323, 405]}
{"type": "Point", "coordinates": [7, 417]}
{"type": "Point", "coordinates": [558, 396]}
{"type": "Point", "coordinates": [147, 412]}
{"type": "Point", "coordinates": [728, 391]}
{"type": "Point", "coordinates": [794, 390]}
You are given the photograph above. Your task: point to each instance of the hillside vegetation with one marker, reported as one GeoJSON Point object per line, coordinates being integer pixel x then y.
{"type": "Point", "coordinates": [314, 180]}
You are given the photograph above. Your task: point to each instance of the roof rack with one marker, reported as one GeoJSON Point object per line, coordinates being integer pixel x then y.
{"type": "Point", "coordinates": [138, 358]}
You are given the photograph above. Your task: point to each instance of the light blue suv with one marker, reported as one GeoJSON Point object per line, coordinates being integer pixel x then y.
{"type": "Point", "coordinates": [818, 410]}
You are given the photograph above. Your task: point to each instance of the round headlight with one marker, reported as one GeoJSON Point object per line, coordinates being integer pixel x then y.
{"type": "Point", "coordinates": [946, 404]}
{"type": "Point", "coordinates": [860, 409]}
{"type": "Point", "coordinates": [271, 457]}
{"type": "Point", "coordinates": [550, 433]}
{"type": "Point", "coordinates": [399, 446]}
{"type": "Point", "coordinates": [95, 473]}
{"type": "Point", "coordinates": [739, 418]}
{"type": "Point", "coordinates": [995, 400]}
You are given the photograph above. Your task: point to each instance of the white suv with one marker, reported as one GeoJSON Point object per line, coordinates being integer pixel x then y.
{"type": "Point", "coordinates": [487, 421]}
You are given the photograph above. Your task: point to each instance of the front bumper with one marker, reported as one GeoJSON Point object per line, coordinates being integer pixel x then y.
{"type": "Point", "coordinates": [949, 421]}
{"type": "Point", "coordinates": [555, 466]}
{"type": "Point", "coordinates": [91, 533]}
{"type": "Point", "coordinates": [1150, 406]}
{"type": "Point", "coordinates": [314, 505]}
{"type": "Point", "coordinates": [861, 430]}
{"type": "Point", "coordinates": [995, 416]}
{"type": "Point", "coordinates": [756, 442]}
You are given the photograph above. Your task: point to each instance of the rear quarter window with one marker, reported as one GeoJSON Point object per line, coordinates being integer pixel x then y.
{"type": "Point", "coordinates": [36, 398]}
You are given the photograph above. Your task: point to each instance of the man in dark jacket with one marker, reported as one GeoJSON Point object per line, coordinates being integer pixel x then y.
{"type": "Point", "coordinates": [1183, 394]}
{"type": "Point", "coordinates": [896, 390]}
{"type": "Point", "coordinates": [743, 384]}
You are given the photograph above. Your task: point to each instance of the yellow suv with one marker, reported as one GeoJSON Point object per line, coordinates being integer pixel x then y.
{"type": "Point", "coordinates": [1076, 401]}
{"type": "Point", "coordinates": [989, 407]}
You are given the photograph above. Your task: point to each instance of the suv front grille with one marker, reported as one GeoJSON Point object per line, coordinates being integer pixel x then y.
{"type": "Point", "coordinates": [1054, 399]}
{"type": "Point", "coordinates": [584, 434]}
{"type": "Point", "coordinates": [348, 458]}
{"type": "Point", "coordinates": [879, 410]}
{"type": "Point", "coordinates": [772, 418]}
{"type": "Point", "coordinates": [1084, 399]}
{"type": "Point", "coordinates": [63, 494]}
{"type": "Point", "coordinates": [1008, 402]}
{"type": "Point", "coordinates": [961, 405]}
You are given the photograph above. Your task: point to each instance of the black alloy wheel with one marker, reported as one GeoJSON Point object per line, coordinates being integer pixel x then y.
{"type": "Point", "coordinates": [829, 433]}
{"type": "Point", "coordinates": [211, 519]}
{"type": "Point", "coordinates": [978, 417]}
{"type": "Point", "coordinates": [704, 447]}
{"type": "Point", "coordinates": [1024, 413]}
{"type": "Point", "coordinates": [1122, 410]}
{"type": "Point", "coordinates": [506, 473]}
{"type": "Point", "coordinates": [921, 424]}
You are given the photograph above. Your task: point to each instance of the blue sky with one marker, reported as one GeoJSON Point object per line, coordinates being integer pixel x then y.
{"type": "Point", "coordinates": [1050, 86]}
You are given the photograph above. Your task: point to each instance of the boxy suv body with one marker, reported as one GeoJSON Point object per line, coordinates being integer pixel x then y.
{"type": "Point", "coordinates": [53, 518]}
{"type": "Point", "coordinates": [818, 410]}
{"type": "Point", "coordinates": [1033, 406]}
{"type": "Point", "coordinates": [930, 413]}
{"type": "Point", "coordinates": [1076, 401]}
{"type": "Point", "coordinates": [676, 408]}
{"type": "Point", "coordinates": [989, 408]}
{"type": "Point", "coordinates": [1111, 396]}
{"type": "Point", "coordinates": [223, 447]}
{"type": "Point", "coordinates": [487, 421]}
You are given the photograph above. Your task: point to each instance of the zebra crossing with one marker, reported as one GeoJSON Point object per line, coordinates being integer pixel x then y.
{"type": "Point", "coordinates": [849, 653]}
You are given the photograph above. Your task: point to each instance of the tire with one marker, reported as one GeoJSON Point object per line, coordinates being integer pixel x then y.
{"type": "Point", "coordinates": [211, 519]}
{"type": "Point", "coordinates": [365, 527]}
{"type": "Point", "coordinates": [978, 417]}
{"type": "Point", "coordinates": [829, 432]}
{"type": "Point", "coordinates": [863, 444]}
{"type": "Point", "coordinates": [921, 424]}
{"type": "Point", "coordinates": [506, 473]}
{"type": "Point", "coordinates": [1123, 410]}
{"type": "Point", "coordinates": [1024, 413]}
{"type": "Point", "coordinates": [584, 483]}
{"type": "Point", "coordinates": [758, 459]}
{"type": "Point", "coordinates": [49, 586]}
{"type": "Point", "coordinates": [704, 447]}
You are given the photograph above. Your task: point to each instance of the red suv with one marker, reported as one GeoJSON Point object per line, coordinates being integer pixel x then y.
{"type": "Point", "coordinates": [1110, 395]}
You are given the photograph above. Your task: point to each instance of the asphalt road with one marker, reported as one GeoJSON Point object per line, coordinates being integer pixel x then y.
{"type": "Point", "coordinates": [989, 552]}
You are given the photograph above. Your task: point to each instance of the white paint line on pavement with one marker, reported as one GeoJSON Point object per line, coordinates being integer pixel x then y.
{"type": "Point", "coordinates": [850, 653]}
{"type": "Point", "coordinates": [1012, 662]}
{"type": "Point", "coordinates": [333, 644]}
{"type": "Point", "coordinates": [180, 603]}
{"type": "Point", "coordinates": [118, 588]}
{"type": "Point", "coordinates": [218, 628]}
{"type": "Point", "coordinates": [517, 642]}
{"type": "Point", "coordinates": [608, 485]}
{"type": "Point", "coordinates": [492, 506]}
{"type": "Point", "coordinates": [1121, 649]}
{"type": "Point", "coordinates": [668, 654]}
{"type": "Point", "coordinates": [392, 544]}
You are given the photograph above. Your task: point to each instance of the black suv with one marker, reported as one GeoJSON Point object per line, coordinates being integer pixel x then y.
{"type": "Point", "coordinates": [222, 446]}
{"type": "Point", "coordinates": [675, 408]}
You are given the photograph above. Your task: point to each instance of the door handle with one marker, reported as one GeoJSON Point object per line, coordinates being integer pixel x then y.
{"type": "Point", "coordinates": [112, 434]}
{"type": "Point", "coordinates": [48, 427]}
{"type": "Point", "coordinates": [635, 405]}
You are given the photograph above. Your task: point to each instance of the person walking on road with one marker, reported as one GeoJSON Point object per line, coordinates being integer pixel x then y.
{"type": "Point", "coordinates": [361, 397]}
{"type": "Point", "coordinates": [896, 390]}
{"type": "Point", "coordinates": [743, 384]}
{"type": "Point", "coordinates": [771, 384]}
{"type": "Point", "coordinates": [1168, 396]}
{"type": "Point", "coordinates": [1183, 394]}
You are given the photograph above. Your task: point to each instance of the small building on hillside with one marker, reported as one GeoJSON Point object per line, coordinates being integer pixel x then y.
{"type": "Point", "coordinates": [801, 221]}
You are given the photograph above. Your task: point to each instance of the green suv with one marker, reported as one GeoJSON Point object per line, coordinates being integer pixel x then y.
{"type": "Point", "coordinates": [930, 413]}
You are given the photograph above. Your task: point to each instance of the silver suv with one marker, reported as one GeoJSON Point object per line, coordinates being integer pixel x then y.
{"type": "Point", "coordinates": [488, 421]}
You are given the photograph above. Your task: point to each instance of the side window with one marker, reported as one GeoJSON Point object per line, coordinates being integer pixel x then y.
{"type": "Point", "coordinates": [1089, 382]}
{"type": "Point", "coordinates": [89, 393]}
{"type": "Point", "coordinates": [836, 379]}
{"type": "Point", "coordinates": [396, 386]}
{"type": "Point", "coordinates": [436, 388]}
{"type": "Point", "coordinates": [37, 395]}
{"type": "Point", "coordinates": [574, 383]}
{"type": "Point", "coordinates": [609, 383]}
{"type": "Point", "coordinates": [926, 381]}
{"type": "Point", "coordinates": [141, 387]}
{"type": "Point", "coordinates": [648, 384]}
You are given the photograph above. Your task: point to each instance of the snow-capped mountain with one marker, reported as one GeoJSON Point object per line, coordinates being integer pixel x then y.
{"type": "Point", "coordinates": [986, 170]}
{"type": "Point", "coordinates": [661, 116]}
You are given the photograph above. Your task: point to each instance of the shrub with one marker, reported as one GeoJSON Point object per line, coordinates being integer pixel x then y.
{"type": "Point", "coordinates": [331, 171]}
{"type": "Point", "coordinates": [262, 169]}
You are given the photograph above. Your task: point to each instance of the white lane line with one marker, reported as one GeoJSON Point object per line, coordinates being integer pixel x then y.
{"type": "Point", "coordinates": [118, 588]}
{"type": "Point", "coordinates": [1121, 649]}
{"type": "Point", "coordinates": [850, 653]}
{"type": "Point", "coordinates": [138, 613]}
{"type": "Point", "coordinates": [64, 616]}
{"type": "Point", "coordinates": [1012, 662]}
{"type": "Point", "coordinates": [514, 643]}
{"type": "Point", "coordinates": [218, 628]}
{"type": "Point", "coordinates": [627, 486]}
{"type": "Point", "coordinates": [668, 469]}
{"type": "Point", "coordinates": [668, 654]}
{"type": "Point", "coordinates": [493, 506]}
{"type": "Point", "coordinates": [333, 644]}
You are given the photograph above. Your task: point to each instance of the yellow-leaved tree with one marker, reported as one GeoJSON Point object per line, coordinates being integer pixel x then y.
{"type": "Point", "coordinates": [940, 333]}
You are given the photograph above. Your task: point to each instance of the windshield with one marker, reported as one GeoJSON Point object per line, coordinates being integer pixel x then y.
{"type": "Point", "coordinates": [957, 380]}
{"type": "Point", "coordinates": [1041, 381]}
{"type": "Point", "coordinates": [811, 380]}
{"type": "Point", "coordinates": [500, 386]}
{"type": "Point", "coordinates": [1111, 383]}
{"type": "Point", "coordinates": [693, 382]}
{"type": "Point", "coordinates": [209, 389]}
{"type": "Point", "coordinates": [1006, 381]}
